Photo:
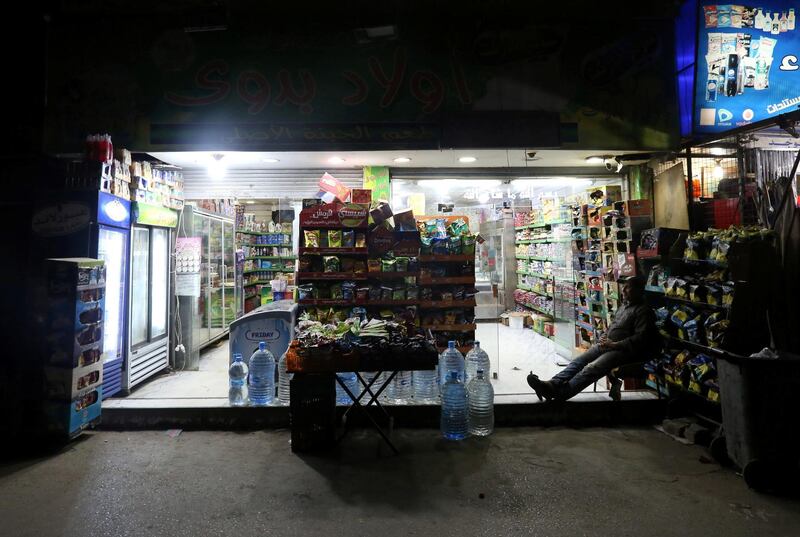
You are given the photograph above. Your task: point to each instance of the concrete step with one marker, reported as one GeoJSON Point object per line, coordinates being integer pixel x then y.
{"type": "Point", "coordinates": [585, 410]}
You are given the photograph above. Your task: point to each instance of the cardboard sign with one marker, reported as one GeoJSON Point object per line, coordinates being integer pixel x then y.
{"type": "Point", "coordinates": [407, 243]}
{"type": "Point", "coordinates": [334, 215]}
{"type": "Point", "coordinates": [332, 185]}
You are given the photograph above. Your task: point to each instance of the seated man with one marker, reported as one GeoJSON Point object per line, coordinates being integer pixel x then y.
{"type": "Point", "coordinates": [632, 337]}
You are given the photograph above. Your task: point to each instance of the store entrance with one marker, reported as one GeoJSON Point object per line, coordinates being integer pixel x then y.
{"type": "Point", "coordinates": [518, 302]}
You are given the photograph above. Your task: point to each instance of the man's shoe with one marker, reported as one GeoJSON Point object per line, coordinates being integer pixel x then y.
{"type": "Point", "coordinates": [544, 390]}
{"type": "Point", "coordinates": [615, 392]}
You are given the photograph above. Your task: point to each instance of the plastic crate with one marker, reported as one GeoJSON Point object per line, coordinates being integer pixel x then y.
{"type": "Point", "coordinates": [312, 411]}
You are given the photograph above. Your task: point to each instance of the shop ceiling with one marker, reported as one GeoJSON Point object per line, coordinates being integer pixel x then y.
{"type": "Point", "coordinates": [568, 161]}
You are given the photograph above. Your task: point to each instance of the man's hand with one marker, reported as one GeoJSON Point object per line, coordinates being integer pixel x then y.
{"type": "Point", "coordinates": [607, 344]}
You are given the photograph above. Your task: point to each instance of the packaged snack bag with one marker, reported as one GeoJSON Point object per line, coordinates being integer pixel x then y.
{"type": "Point", "coordinates": [348, 239]}
{"type": "Point", "coordinates": [330, 263]}
{"type": "Point", "coordinates": [373, 265]}
{"type": "Point", "coordinates": [468, 244]}
{"type": "Point", "coordinates": [311, 238]}
{"type": "Point", "coordinates": [335, 238]}
{"type": "Point", "coordinates": [361, 240]}
{"type": "Point", "coordinates": [402, 264]}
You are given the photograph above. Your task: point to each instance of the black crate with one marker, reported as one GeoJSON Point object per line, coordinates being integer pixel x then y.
{"type": "Point", "coordinates": [312, 411]}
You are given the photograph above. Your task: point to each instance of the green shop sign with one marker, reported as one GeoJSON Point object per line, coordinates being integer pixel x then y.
{"type": "Point", "coordinates": [154, 215]}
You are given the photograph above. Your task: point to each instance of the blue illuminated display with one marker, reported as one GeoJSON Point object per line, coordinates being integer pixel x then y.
{"type": "Point", "coordinates": [747, 64]}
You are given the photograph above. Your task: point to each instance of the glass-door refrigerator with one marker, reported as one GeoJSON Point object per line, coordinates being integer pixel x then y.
{"type": "Point", "coordinates": [96, 225]}
{"type": "Point", "coordinates": [205, 316]}
{"type": "Point", "coordinates": [150, 281]}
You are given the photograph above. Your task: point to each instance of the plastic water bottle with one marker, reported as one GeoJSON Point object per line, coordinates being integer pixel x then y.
{"type": "Point", "coordinates": [375, 385]}
{"type": "Point", "coordinates": [262, 376]}
{"type": "Point", "coordinates": [480, 397]}
{"type": "Point", "coordinates": [476, 359]}
{"type": "Point", "coordinates": [401, 388]}
{"type": "Point", "coordinates": [284, 381]}
{"type": "Point", "coordinates": [237, 375]}
{"type": "Point", "coordinates": [451, 360]}
{"type": "Point", "coordinates": [455, 417]}
{"type": "Point", "coordinates": [426, 385]}
{"type": "Point", "coordinates": [351, 381]}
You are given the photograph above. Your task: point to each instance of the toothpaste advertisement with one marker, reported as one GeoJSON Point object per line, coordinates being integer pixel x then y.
{"type": "Point", "coordinates": [748, 64]}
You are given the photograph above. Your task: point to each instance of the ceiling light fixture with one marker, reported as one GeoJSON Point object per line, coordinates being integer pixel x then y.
{"type": "Point", "coordinates": [216, 170]}
{"type": "Point", "coordinates": [467, 159]}
{"type": "Point", "coordinates": [717, 151]}
{"type": "Point", "coordinates": [336, 160]}
{"type": "Point", "coordinates": [249, 202]}
{"type": "Point", "coordinates": [402, 159]}
{"type": "Point", "coordinates": [270, 160]}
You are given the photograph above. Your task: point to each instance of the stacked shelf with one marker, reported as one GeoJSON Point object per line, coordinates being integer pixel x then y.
{"type": "Point", "coordinates": [447, 282]}
{"type": "Point", "coordinates": [265, 256]}
{"type": "Point", "coordinates": [541, 240]}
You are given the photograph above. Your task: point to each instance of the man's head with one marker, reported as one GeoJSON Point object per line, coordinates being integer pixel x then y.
{"type": "Point", "coordinates": [633, 290]}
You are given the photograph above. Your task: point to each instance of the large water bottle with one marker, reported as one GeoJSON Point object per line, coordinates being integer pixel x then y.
{"type": "Point", "coordinates": [401, 388]}
{"type": "Point", "coordinates": [480, 397]}
{"type": "Point", "coordinates": [262, 376]}
{"type": "Point", "coordinates": [455, 417]}
{"type": "Point", "coordinates": [351, 381]}
{"type": "Point", "coordinates": [476, 359]}
{"type": "Point", "coordinates": [284, 381]}
{"type": "Point", "coordinates": [237, 376]}
{"type": "Point", "coordinates": [426, 385]}
{"type": "Point", "coordinates": [451, 360]}
{"type": "Point", "coordinates": [375, 385]}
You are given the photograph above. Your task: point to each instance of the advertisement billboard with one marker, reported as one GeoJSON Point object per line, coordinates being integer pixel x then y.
{"type": "Point", "coordinates": [747, 64]}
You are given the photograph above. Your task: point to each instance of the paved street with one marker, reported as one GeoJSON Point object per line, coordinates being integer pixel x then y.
{"type": "Point", "coordinates": [606, 482]}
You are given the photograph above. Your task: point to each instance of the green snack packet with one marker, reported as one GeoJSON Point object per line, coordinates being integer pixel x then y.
{"type": "Point", "coordinates": [468, 244]}
{"type": "Point", "coordinates": [312, 238]}
{"type": "Point", "coordinates": [388, 265]}
{"type": "Point", "coordinates": [330, 263]}
{"type": "Point", "coordinates": [458, 228]}
{"type": "Point", "coordinates": [454, 246]}
{"type": "Point", "coordinates": [402, 264]}
{"type": "Point", "coordinates": [425, 246]}
{"type": "Point", "coordinates": [399, 293]}
{"type": "Point", "coordinates": [335, 238]}
{"type": "Point", "coordinates": [337, 292]}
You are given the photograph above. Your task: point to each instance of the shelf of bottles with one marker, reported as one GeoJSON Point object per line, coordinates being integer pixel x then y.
{"type": "Point", "coordinates": [544, 271]}
{"type": "Point", "coordinates": [266, 254]}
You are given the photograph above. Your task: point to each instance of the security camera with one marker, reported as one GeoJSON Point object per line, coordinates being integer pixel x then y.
{"type": "Point", "coordinates": [613, 164]}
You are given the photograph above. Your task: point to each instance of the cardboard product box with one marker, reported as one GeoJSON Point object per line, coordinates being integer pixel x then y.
{"type": "Point", "coordinates": [635, 208]}
{"type": "Point", "coordinates": [611, 193]}
{"type": "Point", "coordinates": [624, 265]}
{"type": "Point", "coordinates": [404, 221]}
{"type": "Point", "coordinates": [140, 183]}
{"type": "Point", "coordinates": [331, 185]}
{"type": "Point", "coordinates": [656, 242]}
{"type": "Point", "coordinates": [362, 196]}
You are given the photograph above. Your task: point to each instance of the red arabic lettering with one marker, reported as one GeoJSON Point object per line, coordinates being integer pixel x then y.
{"type": "Point", "coordinates": [461, 83]}
{"type": "Point", "coordinates": [361, 89]}
{"type": "Point", "coordinates": [289, 93]}
{"type": "Point", "coordinates": [431, 97]}
{"type": "Point", "coordinates": [203, 80]}
{"type": "Point", "coordinates": [390, 85]}
{"type": "Point", "coordinates": [260, 97]}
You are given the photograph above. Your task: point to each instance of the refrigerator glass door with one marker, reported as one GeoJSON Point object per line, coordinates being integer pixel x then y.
{"type": "Point", "coordinates": [112, 248]}
{"type": "Point", "coordinates": [159, 282]}
{"type": "Point", "coordinates": [228, 275]}
{"type": "Point", "coordinates": [140, 286]}
{"type": "Point", "coordinates": [201, 325]}
{"type": "Point", "coordinates": [216, 269]}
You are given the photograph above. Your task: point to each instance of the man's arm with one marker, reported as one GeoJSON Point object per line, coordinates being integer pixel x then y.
{"type": "Point", "coordinates": [643, 331]}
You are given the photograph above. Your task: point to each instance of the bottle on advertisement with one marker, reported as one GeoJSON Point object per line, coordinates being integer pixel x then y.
{"type": "Point", "coordinates": [776, 24]}
{"type": "Point", "coordinates": [784, 22]}
{"type": "Point", "coordinates": [758, 20]}
{"type": "Point", "coordinates": [790, 20]}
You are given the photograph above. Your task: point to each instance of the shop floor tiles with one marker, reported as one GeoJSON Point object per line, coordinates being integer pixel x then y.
{"type": "Point", "coordinates": [513, 354]}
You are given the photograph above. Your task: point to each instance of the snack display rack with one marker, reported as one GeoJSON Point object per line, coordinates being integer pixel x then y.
{"type": "Point", "coordinates": [447, 280]}
{"type": "Point", "coordinates": [265, 255]}
{"type": "Point", "coordinates": [333, 247]}
{"type": "Point", "coordinates": [542, 243]}
{"type": "Point", "coordinates": [603, 239]}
